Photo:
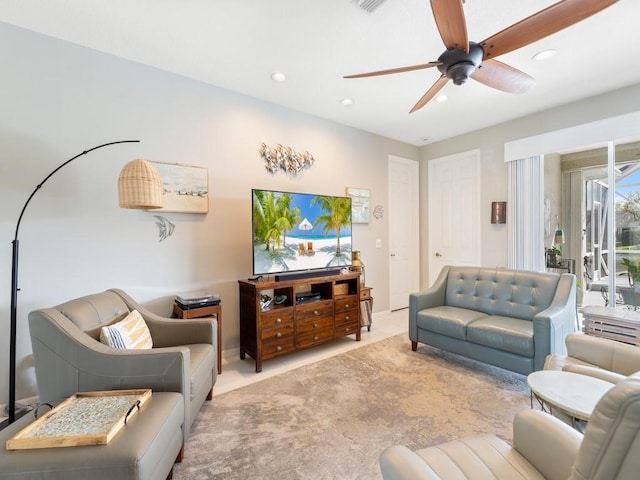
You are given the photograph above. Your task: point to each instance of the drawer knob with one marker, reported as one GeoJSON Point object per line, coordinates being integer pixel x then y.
{"type": "Point", "coordinates": [315, 338]}
{"type": "Point", "coordinates": [315, 325]}
{"type": "Point", "coordinates": [346, 305]}
{"type": "Point", "coordinates": [347, 329]}
{"type": "Point", "coordinates": [316, 312]}
{"type": "Point", "coordinates": [278, 335]}
{"type": "Point", "coordinates": [278, 320]}
{"type": "Point", "coordinates": [346, 317]}
{"type": "Point", "coordinates": [278, 348]}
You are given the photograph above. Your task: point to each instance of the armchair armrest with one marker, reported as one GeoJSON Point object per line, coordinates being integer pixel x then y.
{"type": "Point", "coordinates": [549, 444]}
{"type": "Point", "coordinates": [169, 332]}
{"type": "Point", "coordinates": [400, 463]}
{"type": "Point", "coordinates": [596, 372]}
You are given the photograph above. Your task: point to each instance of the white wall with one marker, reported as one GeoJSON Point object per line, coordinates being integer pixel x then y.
{"type": "Point", "coordinates": [57, 100]}
{"type": "Point", "coordinates": [491, 142]}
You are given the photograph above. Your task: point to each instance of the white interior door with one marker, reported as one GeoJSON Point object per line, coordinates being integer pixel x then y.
{"type": "Point", "coordinates": [454, 211]}
{"type": "Point", "coordinates": [404, 246]}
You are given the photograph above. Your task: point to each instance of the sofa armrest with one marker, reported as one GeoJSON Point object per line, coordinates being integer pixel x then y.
{"type": "Point", "coordinates": [169, 332]}
{"type": "Point", "coordinates": [400, 463]}
{"type": "Point", "coordinates": [549, 444]}
{"type": "Point", "coordinates": [434, 296]}
{"type": "Point", "coordinates": [552, 325]}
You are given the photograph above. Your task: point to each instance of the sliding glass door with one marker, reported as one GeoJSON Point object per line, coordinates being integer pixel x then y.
{"type": "Point", "coordinates": [611, 242]}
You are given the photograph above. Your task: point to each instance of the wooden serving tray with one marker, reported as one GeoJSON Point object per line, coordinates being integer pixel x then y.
{"type": "Point", "coordinates": [86, 418]}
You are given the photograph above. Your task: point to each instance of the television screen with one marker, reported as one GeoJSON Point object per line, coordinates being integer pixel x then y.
{"type": "Point", "coordinates": [298, 231]}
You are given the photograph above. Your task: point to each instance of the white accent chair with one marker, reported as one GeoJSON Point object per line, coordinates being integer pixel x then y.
{"type": "Point", "coordinates": [598, 357]}
{"type": "Point", "coordinates": [543, 447]}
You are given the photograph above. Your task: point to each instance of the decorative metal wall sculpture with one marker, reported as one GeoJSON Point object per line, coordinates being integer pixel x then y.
{"type": "Point", "coordinates": [285, 158]}
{"type": "Point", "coordinates": [165, 227]}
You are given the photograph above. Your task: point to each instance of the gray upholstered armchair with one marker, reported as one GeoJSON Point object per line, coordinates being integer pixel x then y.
{"type": "Point", "coordinates": [543, 447]}
{"type": "Point", "coordinates": [70, 358]}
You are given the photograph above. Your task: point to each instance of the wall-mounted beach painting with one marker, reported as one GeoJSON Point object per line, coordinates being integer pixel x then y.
{"type": "Point", "coordinates": [360, 204]}
{"type": "Point", "coordinates": [186, 188]}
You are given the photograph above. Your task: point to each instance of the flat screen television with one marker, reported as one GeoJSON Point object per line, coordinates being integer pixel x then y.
{"type": "Point", "coordinates": [296, 232]}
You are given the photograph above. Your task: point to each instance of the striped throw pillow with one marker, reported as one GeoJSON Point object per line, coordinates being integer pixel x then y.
{"type": "Point", "coordinates": [131, 332]}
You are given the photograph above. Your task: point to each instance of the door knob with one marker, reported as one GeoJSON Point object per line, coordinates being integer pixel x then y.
{"type": "Point", "coordinates": [438, 254]}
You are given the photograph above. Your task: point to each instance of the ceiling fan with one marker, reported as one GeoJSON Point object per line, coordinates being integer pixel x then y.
{"type": "Point", "coordinates": [464, 59]}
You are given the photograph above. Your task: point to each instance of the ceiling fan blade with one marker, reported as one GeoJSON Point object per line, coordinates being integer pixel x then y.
{"type": "Point", "coordinates": [395, 70]}
{"type": "Point", "coordinates": [539, 25]}
{"type": "Point", "coordinates": [435, 88]}
{"type": "Point", "coordinates": [503, 77]}
{"type": "Point", "coordinates": [449, 17]}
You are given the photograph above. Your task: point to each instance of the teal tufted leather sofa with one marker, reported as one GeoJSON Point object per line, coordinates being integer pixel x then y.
{"type": "Point", "coordinates": [511, 319]}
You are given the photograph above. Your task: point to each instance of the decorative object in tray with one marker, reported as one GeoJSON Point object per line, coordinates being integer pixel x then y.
{"type": "Point", "coordinates": [86, 418]}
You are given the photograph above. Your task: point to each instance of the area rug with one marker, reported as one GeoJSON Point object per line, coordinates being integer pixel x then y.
{"type": "Point", "coordinates": [331, 419]}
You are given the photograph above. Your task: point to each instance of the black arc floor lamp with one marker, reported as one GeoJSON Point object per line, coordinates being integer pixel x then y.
{"type": "Point", "coordinates": [139, 186]}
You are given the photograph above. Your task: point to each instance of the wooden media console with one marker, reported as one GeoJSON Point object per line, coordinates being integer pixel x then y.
{"type": "Point", "coordinates": [329, 308]}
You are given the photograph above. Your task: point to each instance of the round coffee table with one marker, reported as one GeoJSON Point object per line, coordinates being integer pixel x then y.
{"type": "Point", "coordinates": [574, 394]}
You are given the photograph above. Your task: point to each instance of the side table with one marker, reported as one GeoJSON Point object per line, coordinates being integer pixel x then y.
{"type": "Point", "coordinates": [574, 394]}
{"type": "Point", "coordinates": [210, 311]}
{"type": "Point", "coordinates": [612, 323]}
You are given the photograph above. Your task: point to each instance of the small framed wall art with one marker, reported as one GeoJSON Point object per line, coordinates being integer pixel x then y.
{"type": "Point", "coordinates": [186, 188]}
{"type": "Point", "coordinates": [360, 204]}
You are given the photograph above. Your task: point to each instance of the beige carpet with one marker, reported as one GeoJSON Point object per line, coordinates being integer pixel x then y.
{"type": "Point", "coordinates": [331, 419]}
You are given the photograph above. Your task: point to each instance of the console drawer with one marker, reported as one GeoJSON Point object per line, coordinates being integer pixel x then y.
{"type": "Point", "coordinates": [349, 328]}
{"type": "Point", "coordinates": [346, 303]}
{"type": "Point", "coordinates": [277, 318]}
{"type": "Point", "coordinates": [347, 317]}
{"type": "Point", "coordinates": [277, 346]}
{"type": "Point", "coordinates": [311, 310]}
{"type": "Point", "coordinates": [314, 324]}
{"type": "Point", "coordinates": [314, 337]}
{"type": "Point", "coordinates": [281, 331]}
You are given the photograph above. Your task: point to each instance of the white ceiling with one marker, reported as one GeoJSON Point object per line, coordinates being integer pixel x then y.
{"type": "Point", "coordinates": [237, 44]}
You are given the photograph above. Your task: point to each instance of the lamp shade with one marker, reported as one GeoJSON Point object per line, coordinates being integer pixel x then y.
{"type": "Point", "coordinates": [140, 186]}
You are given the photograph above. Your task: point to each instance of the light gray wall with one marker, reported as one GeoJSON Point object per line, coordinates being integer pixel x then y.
{"type": "Point", "coordinates": [57, 100]}
{"type": "Point", "coordinates": [494, 177]}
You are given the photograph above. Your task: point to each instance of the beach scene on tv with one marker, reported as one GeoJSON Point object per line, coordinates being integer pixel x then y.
{"type": "Point", "coordinates": [299, 231]}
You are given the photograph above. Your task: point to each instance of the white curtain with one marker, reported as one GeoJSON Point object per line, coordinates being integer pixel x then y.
{"type": "Point", "coordinates": [525, 215]}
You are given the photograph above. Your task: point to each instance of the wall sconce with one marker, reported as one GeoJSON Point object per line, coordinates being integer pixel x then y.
{"type": "Point", "coordinates": [498, 212]}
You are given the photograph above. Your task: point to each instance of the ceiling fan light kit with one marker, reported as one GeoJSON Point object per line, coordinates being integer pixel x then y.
{"type": "Point", "coordinates": [458, 65]}
{"type": "Point", "coordinates": [463, 59]}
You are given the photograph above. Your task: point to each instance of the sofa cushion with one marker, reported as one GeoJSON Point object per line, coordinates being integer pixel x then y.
{"type": "Point", "coordinates": [92, 312]}
{"type": "Point", "coordinates": [512, 293]}
{"type": "Point", "coordinates": [449, 321]}
{"type": "Point", "coordinates": [202, 360]}
{"type": "Point", "coordinates": [503, 333]}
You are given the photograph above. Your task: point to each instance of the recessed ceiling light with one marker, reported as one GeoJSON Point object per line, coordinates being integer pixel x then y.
{"type": "Point", "coordinates": [278, 77]}
{"type": "Point", "coordinates": [544, 54]}
{"type": "Point", "coordinates": [346, 102]}
{"type": "Point", "coordinates": [441, 98]}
